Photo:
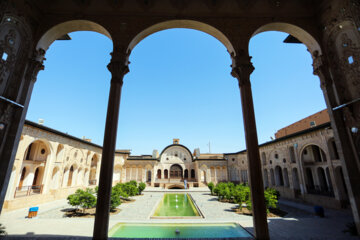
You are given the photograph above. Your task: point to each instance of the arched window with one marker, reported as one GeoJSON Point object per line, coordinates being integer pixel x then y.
{"type": "Point", "coordinates": [333, 149]}
{"type": "Point", "coordinates": [322, 179]}
{"type": "Point", "coordinates": [286, 177]}
{"type": "Point", "coordinates": [310, 180]}
{"type": "Point", "coordinates": [36, 177]}
{"type": "Point", "coordinates": [159, 173]}
{"type": "Point", "coordinates": [279, 180]}
{"type": "Point", "coordinates": [70, 176]}
{"type": "Point", "coordinates": [328, 177]}
{"type": "Point", "coordinates": [192, 173]}
{"type": "Point", "coordinates": [266, 179]}
{"type": "Point", "coordinates": [166, 174]}
{"type": "Point", "coordinates": [292, 154]}
{"type": "Point", "coordinates": [149, 176]}
{"type": "Point", "coordinates": [263, 158]}
{"type": "Point", "coordinates": [313, 153]}
{"type": "Point", "coordinates": [22, 178]}
{"type": "Point", "coordinates": [272, 177]}
{"type": "Point", "coordinates": [295, 177]}
{"type": "Point", "coordinates": [186, 173]}
{"type": "Point", "coordinates": [176, 171]}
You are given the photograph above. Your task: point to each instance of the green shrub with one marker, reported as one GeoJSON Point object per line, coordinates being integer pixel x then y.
{"type": "Point", "coordinates": [271, 198]}
{"type": "Point", "coordinates": [74, 199]}
{"type": "Point", "coordinates": [120, 189]}
{"type": "Point", "coordinates": [133, 182]}
{"type": "Point", "coordinates": [115, 200]}
{"type": "Point", "coordinates": [130, 189]}
{"type": "Point", "coordinates": [2, 230]}
{"type": "Point", "coordinates": [84, 199]}
{"type": "Point", "coordinates": [211, 187]}
{"type": "Point", "coordinates": [141, 187]}
{"type": "Point", "coordinates": [240, 194]}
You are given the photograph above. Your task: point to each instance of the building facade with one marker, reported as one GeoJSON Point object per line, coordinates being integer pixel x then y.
{"type": "Point", "coordinates": [50, 165]}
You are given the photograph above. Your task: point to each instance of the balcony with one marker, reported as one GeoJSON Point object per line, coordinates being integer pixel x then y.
{"type": "Point", "coordinates": [28, 190]}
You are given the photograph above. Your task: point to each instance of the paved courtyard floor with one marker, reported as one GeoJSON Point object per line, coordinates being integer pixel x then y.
{"type": "Point", "coordinates": [299, 223]}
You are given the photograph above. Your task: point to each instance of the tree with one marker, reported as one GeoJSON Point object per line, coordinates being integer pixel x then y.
{"type": "Point", "coordinates": [141, 187]}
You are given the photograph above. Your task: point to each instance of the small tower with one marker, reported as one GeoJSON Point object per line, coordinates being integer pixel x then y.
{"type": "Point", "coordinates": [176, 141]}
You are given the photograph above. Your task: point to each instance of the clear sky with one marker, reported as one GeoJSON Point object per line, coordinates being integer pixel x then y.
{"type": "Point", "coordinates": [179, 86]}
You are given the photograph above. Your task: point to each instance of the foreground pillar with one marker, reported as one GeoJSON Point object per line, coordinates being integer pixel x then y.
{"type": "Point", "coordinates": [241, 69]}
{"type": "Point", "coordinates": [340, 35]}
{"type": "Point", "coordinates": [342, 134]}
{"type": "Point", "coordinates": [19, 68]}
{"type": "Point", "coordinates": [118, 68]}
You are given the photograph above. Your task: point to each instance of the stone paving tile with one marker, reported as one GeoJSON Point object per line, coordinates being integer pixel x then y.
{"type": "Point", "coordinates": [298, 224]}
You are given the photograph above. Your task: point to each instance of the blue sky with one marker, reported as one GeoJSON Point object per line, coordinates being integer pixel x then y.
{"type": "Point", "coordinates": [179, 86]}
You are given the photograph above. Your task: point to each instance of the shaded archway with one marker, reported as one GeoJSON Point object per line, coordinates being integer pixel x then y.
{"type": "Point", "coordinates": [176, 186]}
{"type": "Point", "coordinates": [279, 180]}
{"type": "Point", "coordinates": [93, 170]}
{"type": "Point", "coordinates": [339, 176]}
{"type": "Point", "coordinates": [60, 153]}
{"type": "Point", "coordinates": [38, 150]}
{"type": "Point", "coordinates": [22, 178]}
{"type": "Point", "coordinates": [333, 149]}
{"type": "Point", "coordinates": [55, 178]}
{"type": "Point", "coordinates": [310, 185]}
{"type": "Point", "coordinates": [38, 176]}
{"type": "Point", "coordinates": [266, 178]}
{"type": "Point", "coordinates": [70, 177]}
{"type": "Point", "coordinates": [292, 154]}
{"type": "Point", "coordinates": [272, 177]}
{"type": "Point", "coordinates": [186, 173]}
{"type": "Point", "coordinates": [322, 179]}
{"type": "Point", "coordinates": [313, 153]}
{"type": "Point", "coordinates": [295, 178]}
{"type": "Point", "coordinates": [286, 177]}
{"type": "Point", "coordinates": [192, 173]}
{"type": "Point", "coordinates": [148, 177]}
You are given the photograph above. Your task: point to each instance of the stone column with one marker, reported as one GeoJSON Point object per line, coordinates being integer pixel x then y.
{"type": "Point", "coordinates": [15, 88]}
{"type": "Point", "coordinates": [13, 119]}
{"type": "Point", "coordinates": [49, 167]}
{"type": "Point", "coordinates": [342, 134]}
{"type": "Point", "coordinates": [118, 68]}
{"type": "Point", "coordinates": [301, 172]}
{"type": "Point", "coordinates": [241, 69]}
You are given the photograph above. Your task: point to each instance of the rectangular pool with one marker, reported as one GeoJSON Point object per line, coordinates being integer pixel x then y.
{"type": "Point", "coordinates": [176, 205]}
{"type": "Point", "coordinates": [179, 230]}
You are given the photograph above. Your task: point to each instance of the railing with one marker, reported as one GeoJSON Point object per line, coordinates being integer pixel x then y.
{"type": "Point", "coordinates": [28, 190]}
{"type": "Point", "coordinates": [92, 182]}
{"type": "Point", "coordinates": [174, 180]}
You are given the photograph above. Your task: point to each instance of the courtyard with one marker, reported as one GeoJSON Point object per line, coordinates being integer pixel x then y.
{"type": "Point", "coordinates": [299, 223]}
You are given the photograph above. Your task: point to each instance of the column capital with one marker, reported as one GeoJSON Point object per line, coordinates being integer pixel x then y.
{"type": "Point", "coordinates": [321, 69]}
{"type": "Point", "coordinates": [119, 64]}
{"type": "Point", "coordinates": [241, 68]}
{"type": "Point", "coordinates": [35, 64]}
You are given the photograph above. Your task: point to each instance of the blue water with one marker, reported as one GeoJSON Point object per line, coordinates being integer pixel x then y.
{"type": "Point", "coordinates": [193, 230]}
